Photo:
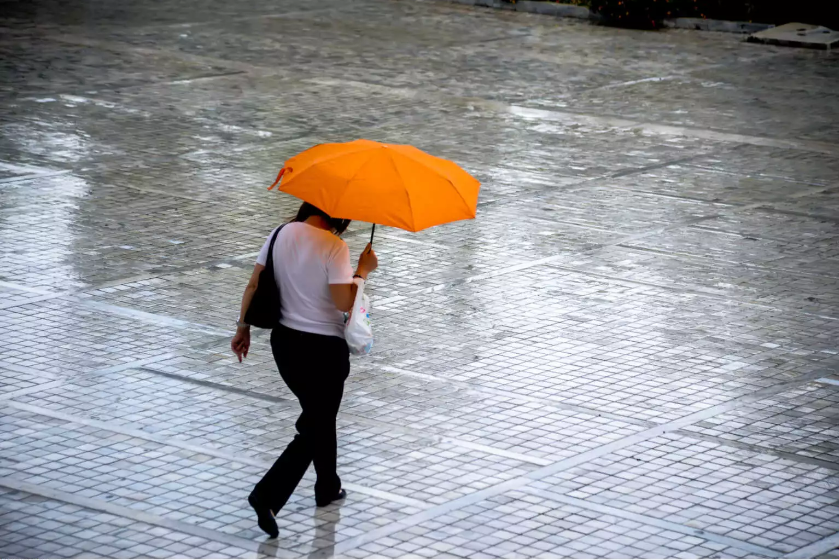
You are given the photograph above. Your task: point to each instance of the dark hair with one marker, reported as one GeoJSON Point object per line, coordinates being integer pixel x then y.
{"type": "Point", "coordinates": [307, 210]}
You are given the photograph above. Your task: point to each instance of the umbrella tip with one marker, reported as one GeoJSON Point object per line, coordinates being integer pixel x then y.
{"type": "Point", "coordinates": [280, 176]}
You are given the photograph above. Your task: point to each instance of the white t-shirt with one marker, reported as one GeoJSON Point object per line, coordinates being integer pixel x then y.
{"type": "Point", "coordinates": [306, 261]}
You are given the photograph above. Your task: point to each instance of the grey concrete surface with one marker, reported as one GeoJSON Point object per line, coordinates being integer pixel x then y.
{"type": "Point", "coordinates": [631, 352]}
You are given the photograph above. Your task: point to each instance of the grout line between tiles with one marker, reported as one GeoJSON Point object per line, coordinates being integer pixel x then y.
{"type": "Point", "coordinates": [194, 448]}
{"type": "Point", "coordinates": [654, 521]}
{"type": "Point", "coordinates": [137, 515]}
{"type": "Point", "coordinates": [566, 464]}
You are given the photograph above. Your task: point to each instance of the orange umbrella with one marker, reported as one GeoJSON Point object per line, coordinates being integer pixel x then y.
{"type": "Point", "coordinates": [390, 184]}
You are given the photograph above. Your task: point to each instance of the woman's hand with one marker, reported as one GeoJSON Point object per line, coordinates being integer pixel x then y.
{"type": "Point", "coordinates": [241, 342]}
{"type": "Point", "coordinates": [368, 261]}
{"type": "Point", "coordinates": [343, 295]}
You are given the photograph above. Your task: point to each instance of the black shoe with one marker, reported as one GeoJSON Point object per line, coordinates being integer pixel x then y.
{"type": "Point", "coordinates": [339, 496]}
{"type": "Point", "coordinates": [264, 518]}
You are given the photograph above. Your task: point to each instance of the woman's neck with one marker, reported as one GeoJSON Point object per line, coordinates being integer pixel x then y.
{"type": "Point", "coordinates": [318, 222]}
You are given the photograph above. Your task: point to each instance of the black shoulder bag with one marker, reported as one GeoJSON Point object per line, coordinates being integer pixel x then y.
{"type": "Point", "coordinates": [264, 311]}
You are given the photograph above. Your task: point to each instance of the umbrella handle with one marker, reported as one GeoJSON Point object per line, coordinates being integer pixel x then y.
{"type": "Point", "coordinates": [371, 236]}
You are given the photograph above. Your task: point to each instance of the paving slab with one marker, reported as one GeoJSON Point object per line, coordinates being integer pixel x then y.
{"type": "Point", "coordinates": [630, 352]}
{"type": "Point", "coordinates": [798, 35]}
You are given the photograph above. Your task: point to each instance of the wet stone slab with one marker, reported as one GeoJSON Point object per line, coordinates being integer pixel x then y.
{"type": "Point", "coordinates": [519, 524]}
{"type": "Point", "coordinates": [802, 421]}
{"type": "Point", "coordinates": [759, 499]}
{"type": "Point", "coordinates": [630, 352]}
{"type": "Point", "coordinates": [34, 526]}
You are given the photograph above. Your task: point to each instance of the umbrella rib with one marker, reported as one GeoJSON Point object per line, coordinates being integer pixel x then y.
{"type": "Point", "coordinates": [373, 154]}
{"type": "Point", "coordinates": [328, 157]}
{"type": "Point", "coordinates": [444, 174]}
{"type": "Point", "coordinates": [460, 194]}
{"type": "Point", "coordinates": [404, 188]}
{"type": "Point", "coordinates": [412, 156]}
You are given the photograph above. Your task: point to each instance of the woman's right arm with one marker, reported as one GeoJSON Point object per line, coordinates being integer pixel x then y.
{"type": "Point", "coordinates": [241, 342]}
{"type": "Point", "coordinates": [343, 295]}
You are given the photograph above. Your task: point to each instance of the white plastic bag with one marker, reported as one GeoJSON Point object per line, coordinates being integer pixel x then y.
{"type": "Point", "coordinates": [358, 331]}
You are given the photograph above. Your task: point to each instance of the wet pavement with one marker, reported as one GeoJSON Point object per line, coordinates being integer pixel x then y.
{"type": "Point", "coordinates": [632, 352]}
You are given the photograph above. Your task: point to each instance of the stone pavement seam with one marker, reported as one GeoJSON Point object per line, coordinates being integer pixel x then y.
{"type": "Point", "coordinates": [477, 389]}
{"type": "Point", "coordinates": [817, 548]}
{"type": "Point", "coordinates": [131, 365]}
{"type": "Point", "coordinates": [672, 130]}
{"type": "Point", "coordinates": [568, 463]}
{"type": "Point", "coordinates": [653, 521]}
{"type": "Point", "coordinates": [428, 433]}
{"type": "Point", "coordinates": [677, 75]}
{"type": "Point", "coordinates": [151, 275]}
{"type": "Point", "coordinates": [11, 395]}
{"type": "Point", "coordinates": [30, 289]}
{"type": "Point", "coordinates": [550, 469]}
{"type": "Point", "coordinates": [143, 316]}
{"type": "Point", "coordinates": [570, 117]}
{"type": "Point", "coordinates": [817, 189]}
{"type": "Point", "coordinates": [23, 369]}
{"type": "Point", "coordinates": [701, 258]}
{"type": "Point", "coordinates": [29, 301]}
{"type": "Point", "coordinates": [413, 241]}
{"type": "Point", "coordinates": [201, 449]}
{"type": "Point", "coordinates": [136, 515]}
{"type": "Point", "coordinates": [194, 24]}
{"type": "Point", "coordinates": [152, 318]}
{"type": "Point", "coordinates": [652, 167]}
{"type": "Point", "coordinates": [43, 175]}
{"type": "Point", "coordinates": [761, 449]}
{"type": "Point", "coordinates": [127, 312]}
{"type": "Point", "coordinates": [621, 242]}
{"type": "Point", "coordinates": [116, 46]}
{"type": "Point", "coordinates": [717, 170]}
{"type": "Point", "coordinates": [495, 273]}
{"type": "Point", "coordinates": [783, 212]}
{"type": "Point", "coordinates": [547, 260]}
{"type": "Point", "coordinates": [694, 291]}
{"type": "Point", "coordinates": [480, 389]}
{"type": "Point", "coordinates": [52, 294]}
{"type": "Point", "coordinates": [167, 321]}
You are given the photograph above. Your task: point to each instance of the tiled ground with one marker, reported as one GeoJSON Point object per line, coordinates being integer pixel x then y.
{"type": "Point", "coordinates": [753, 497]}
{"type": "Point", "coordinates": [520, 525]}
{"type": "Point", "coordinates": [631, 352]}
{"type": "Point", "coordinates": [34, 526]}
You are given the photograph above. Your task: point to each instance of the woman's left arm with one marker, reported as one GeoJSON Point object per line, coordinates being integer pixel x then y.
{"type": "Point", "coordinates": [241, 342]}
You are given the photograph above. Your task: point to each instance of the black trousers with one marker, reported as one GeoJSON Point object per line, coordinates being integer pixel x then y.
{"type": "Point", "coordinates": [314, 367]}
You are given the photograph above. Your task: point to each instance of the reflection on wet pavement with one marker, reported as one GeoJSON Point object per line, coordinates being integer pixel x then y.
{"type": "Point", "coordinates": [631, 352]}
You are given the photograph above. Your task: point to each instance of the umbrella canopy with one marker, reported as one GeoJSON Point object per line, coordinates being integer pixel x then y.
{"type": "Point", "coordinates": [389, 184]}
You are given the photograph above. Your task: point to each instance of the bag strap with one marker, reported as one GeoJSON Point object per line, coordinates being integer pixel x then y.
{"type": "Point", "coordinates": [269, 262]}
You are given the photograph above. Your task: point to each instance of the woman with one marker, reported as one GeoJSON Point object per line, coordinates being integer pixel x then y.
{"type": "Point", "coordinates": [316, 281]}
